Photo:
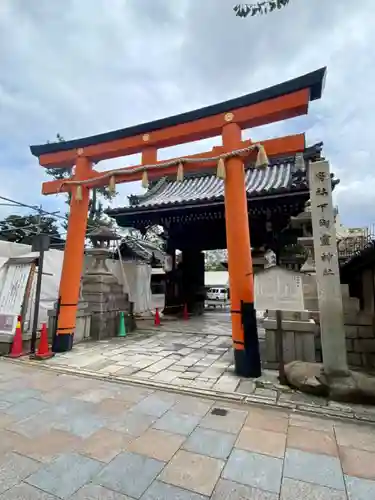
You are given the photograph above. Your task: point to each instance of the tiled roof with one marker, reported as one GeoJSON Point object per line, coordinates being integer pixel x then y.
{"type": "Point", "coordinates": [280, 176]}
{"type": "Point", "coordinates": [145, 250]}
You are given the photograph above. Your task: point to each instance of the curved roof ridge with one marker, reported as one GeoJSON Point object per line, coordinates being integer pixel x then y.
{"type": "Point", "coordinates": [314, 81]}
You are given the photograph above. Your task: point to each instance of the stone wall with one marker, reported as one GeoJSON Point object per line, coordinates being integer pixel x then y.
{"type": "Point", "coordinates": [298, 331]}
{"type": "Point", "coordinates": [301, 335]}
{"type": "Point", "coordinates": [359, 333]}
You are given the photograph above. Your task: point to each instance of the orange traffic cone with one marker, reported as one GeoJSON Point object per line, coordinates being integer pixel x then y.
{"type": "Point", "coordinates": [186, 314]}
{"type": "Point", "coordinates": [16, 351]}
{"type": "Point", "coordinates": [157, 317]}
{"type": "Point", "coordinates": [43, 348]}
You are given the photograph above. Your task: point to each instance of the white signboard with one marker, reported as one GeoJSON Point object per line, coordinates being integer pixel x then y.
{"type": "Point", "coordinates": [277, 288]}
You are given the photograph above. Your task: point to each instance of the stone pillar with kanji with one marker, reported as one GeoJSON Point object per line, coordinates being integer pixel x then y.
{"type": "Point", "coordinates": [327, 271]}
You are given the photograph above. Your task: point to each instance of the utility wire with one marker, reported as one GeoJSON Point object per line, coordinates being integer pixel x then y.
{"type": "Point", "coordinates": [44, 212]}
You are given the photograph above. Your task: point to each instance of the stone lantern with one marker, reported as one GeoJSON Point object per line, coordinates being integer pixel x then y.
{"type": "Point", "coordinates": [102, 290]}
{"type": "Point", "coordinates": [101, 238]}
{"type": "Point", "coordinates": [303, 221]}
{"type": "Point", "coordinates": [310, 293]}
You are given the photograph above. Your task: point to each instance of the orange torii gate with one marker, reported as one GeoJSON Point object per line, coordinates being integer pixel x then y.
{"type": "Point", "coordinates": [280, 102]}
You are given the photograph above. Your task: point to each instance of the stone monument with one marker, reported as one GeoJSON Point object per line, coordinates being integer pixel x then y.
{"type": "Point", "coordinates": [327, 271]}
{"type": "Point", "coordinates": [278, 289]}
{"type": "Point", "coordinates": [102, 291]}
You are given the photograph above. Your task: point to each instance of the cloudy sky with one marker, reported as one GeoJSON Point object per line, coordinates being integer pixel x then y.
{"type": "Point", "coordinates": [81, 67]}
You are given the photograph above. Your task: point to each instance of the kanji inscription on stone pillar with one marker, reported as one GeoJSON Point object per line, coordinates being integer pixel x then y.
{"type": "Point", "coordinates": [327, 270]}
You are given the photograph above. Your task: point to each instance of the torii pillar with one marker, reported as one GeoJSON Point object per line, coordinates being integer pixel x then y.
{"type": "Point", "coordinates": [241, 282]}
{"type": "Point", "coordinates": [74, 255]}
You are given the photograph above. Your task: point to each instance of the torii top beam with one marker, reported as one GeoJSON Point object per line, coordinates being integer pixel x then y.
{"type": "Point", "coordinates": [280, 102]}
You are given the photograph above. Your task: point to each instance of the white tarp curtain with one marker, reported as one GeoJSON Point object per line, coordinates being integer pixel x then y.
{"type": "Point", "coordinates": [50, 281]}
{"type": "Point", "coordinates": [137, 279]}
{"type": "Point", "coordinates": [137, 283]}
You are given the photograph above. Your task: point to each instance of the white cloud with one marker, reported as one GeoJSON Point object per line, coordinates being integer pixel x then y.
{"type": "Point", "coordinates": [80, 67]}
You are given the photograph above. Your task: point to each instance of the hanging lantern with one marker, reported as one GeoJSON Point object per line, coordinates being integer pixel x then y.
{"type": "Point", "coordinates": [262, 159]}
{"type": "Point", "coordinates": [112, 184]}
{"type": "Point", "coordinates": [220, 171]}
{"type": "Point", "coordinates": [145, 179]}
{"type": "Point", "coordinates": [78, 195]}
{"type": "Point", "coordinates": [180, 172]}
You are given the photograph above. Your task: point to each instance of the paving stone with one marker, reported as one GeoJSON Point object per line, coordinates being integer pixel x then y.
{"type": "Point", "coordinates": [358, 463]}
{"type": "Point", "coordinates": [194, 472]}
{"type": "Point", "coordinates": [177, 368]}
{"type": "Point", "coordinates": [65, 475]}
{"type": "Point", "coordinates": [315, 423]}
{"type": "Point", "coordinates": [112, 407]}
{"type": "Point", "coordinates": [58, 395]}
{"type": "Point", "coordinates": [48, 445]}
{"type": "Point", "coordinates": [211, 443]}
{"type": "Point", "coordinates": [133, 423]}
{"type": "Point", "coordinates": [96, 492]}
{"type": "Point", "coordinates": [144, 374]}
{"type": "Point", "coordinates": [313, 441]}
{"type": "Point", "coordinates": [313, 468]}
{"type": "Point", "coordinates": [193, 406]}
{"type": "Point", "coordinates": [94, 395]}
{"type": "Point", "coordinates": [165, 376]}
{"type": "Point", "coordinates": [128, 393]}
{"type": "Point", "coordinates": [4, 405]}
{"type": "Point", "coordinates": [72, 406]}
{"type": "Point", "coordinates": [105, 444]}
{"type": "Point", "coordinates": [26, 408]}
{"type": "Point", "coordinates": [37, 425]}
{"type": "Point", "coordinates": [15, 468]}
{"type": "Point", "coordinates": [5, 420]}
{"type": "Point", "coordinates": [26, 492]}
{"type": "Point", "coordinates": [177, 423]}
{"type": "Point", "coordinates": [231, 422]}
{"type": "Point", "coordinates": [16, 396]}
{"type": "Point", "coordinates": [261, 441]}
{"type": "Point", "coordinates": [246, 387]}
{"type": "Point", "coordinates": [82, 425]}
{"type": "Point", "coordinates": [10, 441]}
{"type": "Point", "coordinates": [362, 438]}
{"type": "Point", "coordinates": [181, 382]}
{"type": "Point", "coordinates": [359, 489]}
{"type": "Point", "coordinates": [156, 444]}
{"type": "Point", "coordinates": [292, 489]}
{"type": "Point", "coordinates": [154, 405]}
{"type": "Point", "coordinates": [227, 490]}
{"type": "Point", "coordinates": [254, 470]}
{"type": "Point", "coordinates": [163, 491]}
{"type": "Point", "coordinates": [129, 473]}
{"type": "Point", "coordinates": [268, 420]}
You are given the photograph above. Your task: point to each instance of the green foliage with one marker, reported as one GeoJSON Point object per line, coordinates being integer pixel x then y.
{"type": "Point", "coordinates": [214, 266]}
{"type": "Point", "coordinates": [259, 8]}
{"type": "Point", "coordinates": [22, 229]}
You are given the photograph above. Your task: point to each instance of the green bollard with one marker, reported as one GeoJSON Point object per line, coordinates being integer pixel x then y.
{"type": "Point", "coordinates": [122, 328]}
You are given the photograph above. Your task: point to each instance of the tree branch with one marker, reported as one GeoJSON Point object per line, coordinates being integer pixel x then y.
{"type": "Point", "coordinates": [259, 8]}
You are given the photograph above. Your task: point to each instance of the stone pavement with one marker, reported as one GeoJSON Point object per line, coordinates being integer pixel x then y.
{"type": "Point", "coordinates": [195, 354]}
{"type": "Point", "coordinates": [69, 437]}
{"type": "Point", "coordinates": [190, 356]}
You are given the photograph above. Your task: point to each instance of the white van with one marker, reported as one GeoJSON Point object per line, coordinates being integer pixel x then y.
{"type": "Point", "coordinates": [219, 294]}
